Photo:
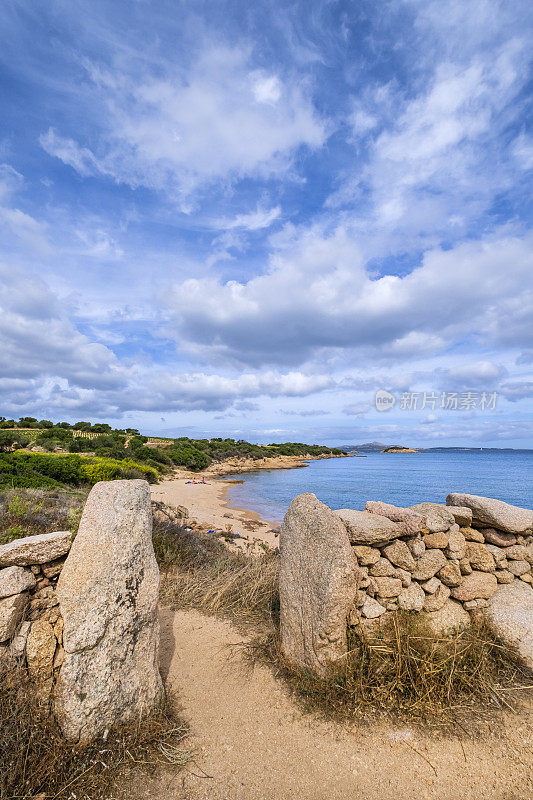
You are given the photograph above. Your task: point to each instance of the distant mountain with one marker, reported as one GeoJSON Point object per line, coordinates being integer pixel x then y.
{"type": "Point", "coordinates": [367, 447]}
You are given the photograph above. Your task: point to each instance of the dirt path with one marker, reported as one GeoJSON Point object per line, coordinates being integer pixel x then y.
{"type": "Point", "coordinates": [256, 745]}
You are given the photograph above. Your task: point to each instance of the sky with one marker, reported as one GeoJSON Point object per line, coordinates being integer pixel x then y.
{"type": "Point", "coordinates": [245, 219]}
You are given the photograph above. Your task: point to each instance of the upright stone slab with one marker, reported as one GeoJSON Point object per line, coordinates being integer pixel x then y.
{"type": "Point", "coordinates": [510, 615]}
{"type": "Point", "coordinates": [318, 582]}
{"type": "Point", "coordinates": [108, 594]}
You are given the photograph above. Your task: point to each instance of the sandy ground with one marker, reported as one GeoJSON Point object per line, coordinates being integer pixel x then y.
{"type": "Point", "coordinates": [207, 505]}
{"type": "Point", "coordinates": [253, 743]}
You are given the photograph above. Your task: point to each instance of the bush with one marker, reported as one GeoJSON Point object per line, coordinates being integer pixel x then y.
{"type": "Point", "coordinates": [24, 512]}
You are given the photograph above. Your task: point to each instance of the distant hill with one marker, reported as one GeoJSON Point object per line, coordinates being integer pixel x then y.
{"type": "Point", "coordinates": [367, 447]}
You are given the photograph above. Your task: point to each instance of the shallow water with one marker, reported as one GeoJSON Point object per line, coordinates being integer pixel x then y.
{"type": "Point", "coordinates": [399, 478]}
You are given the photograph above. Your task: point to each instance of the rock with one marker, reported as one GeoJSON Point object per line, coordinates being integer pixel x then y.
{"type": "Point", "coordinates": [502, 516]}
{"type": "Point", "coordinates": [478, 584]}
{"type": "Point", "coordinates": [108, 592]}
{"type": "Point", "coordinates": [472, 535]}
{"type": "Point", "coordinates": [416, 547]}
{"type": "Point", "coordinates": [18, 644]}
{"type": "Point", "coordinates": [465, 567]}
{"type": "Point", "coordinates": [318, 582]}
{"type": "Point", "coordinates": [498, 553]}
{"type": "Point", "coordinates": [42, 600]}
{"type": "Point", "coordinates": [389, 587]}
{"type": "Point", "coordinates": [516, 552]}
{"type": "Point", "coordinates": [40, 650]}
{"type": "Point", "coordinates": [527, 578]}
{"type": "Point", "coordinates": [510, 615]}
{"type": "Point", "coordinates": [35, 549]}
{"type": "Point", "coordinates": [447, 620]}
{"type": "Point", "coordinates": [529, 554]}
{"type": "Point", "coordinates": [411, 523]}
{"type": "Point", "coordinates": [436, 540]}
{"type": "Point", "coordinates": [404, 576]}
{"type": "Point", "coordinates": [372, 609]}
{"type": "Point", "coordinates": [504, 576]}
{"type": "Point", "coordinates": [438, 517]}
{"type": "Point", "coordinates": [53, 568]}
{"type": "Point", "coordinates": [366, 555]}
{"type": "Point", "coordinates": [366, 528]}
{"type": "Point", "coordinates": [518, 567]}
{"type": "Point", "coordinates": [431, 586]}
{"type": "Point", "coordinates": [11, 611]}
{"type": "Point", "coordinates": [412, 598]}
{"type": "Point", "coordinates": [451, 574]}
{"type": "Point", "coordinates": [429, 564]}
{"type": "Point", "coordinates": [382, 569]}
{"type": "Point", "coordinates": [400, 555]}
{"type": "Point", "coordinates": [14, 580]}
{"type": "Point", "coordinates": [498, 538]}
{"type": "Point", "coordinates": [479, 557]}
{"type": "Point", "coordinates": [456, 545]}
{"type": "Point", "coordinates": [462, 515]}
{"type": "Point", "coordinates": [434, 602]}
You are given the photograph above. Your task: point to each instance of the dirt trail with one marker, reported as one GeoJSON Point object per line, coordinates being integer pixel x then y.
{"type": "Point", "coordinates": [256, 744]}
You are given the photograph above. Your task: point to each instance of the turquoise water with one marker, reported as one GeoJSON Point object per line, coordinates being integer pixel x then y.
{"type": "Point", "coordinates": [400, 479]}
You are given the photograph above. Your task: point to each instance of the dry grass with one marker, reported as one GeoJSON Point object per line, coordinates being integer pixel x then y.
{"type": "Point", "coordinates": [25, 512]}
{"type": "Point", "coordinates": [35, 759]}
{"type": "Point", "coordinates": [408, 676]}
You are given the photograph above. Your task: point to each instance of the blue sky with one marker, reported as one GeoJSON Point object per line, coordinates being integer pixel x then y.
{"type": "Point", "coordinates": [233, 218]}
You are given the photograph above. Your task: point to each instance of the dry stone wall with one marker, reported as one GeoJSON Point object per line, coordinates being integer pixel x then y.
{"type": "Point", "coordinates": [444, 561]}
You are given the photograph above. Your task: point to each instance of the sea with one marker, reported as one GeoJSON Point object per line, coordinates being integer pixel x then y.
{"type": "Point", "coordinates": [402, 479]}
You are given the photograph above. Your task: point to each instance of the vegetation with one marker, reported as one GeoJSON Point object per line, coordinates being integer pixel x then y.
{"type": "Point", "coordinates": [25, 512]}
{"type": "Point", "coordinates": [36, 761]}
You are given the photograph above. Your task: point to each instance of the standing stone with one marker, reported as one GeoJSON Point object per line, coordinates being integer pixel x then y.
{"type": "Point", "coordinates": [510, 614]}
{"type": "Point", "coordinates": [108, 594]}
{"type": "Point", "coordinates": [502, 516]}
{"type": "Point", "coordinates": [317, 584]}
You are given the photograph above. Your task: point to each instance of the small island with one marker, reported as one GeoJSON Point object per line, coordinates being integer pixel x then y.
{"type": "Point", "coordinates": [396, 448]}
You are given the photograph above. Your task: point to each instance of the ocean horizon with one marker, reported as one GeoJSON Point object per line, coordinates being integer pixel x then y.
{"type": "Point", "coordinates": [402, 479]}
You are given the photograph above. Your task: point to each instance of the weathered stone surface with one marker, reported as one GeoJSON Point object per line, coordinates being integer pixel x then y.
{"type": "Point", "coordinates": [472, 535]}
{"type": "Point", "coordinates": [448, 619]}
{"type": "Point", "coordinates": [411, 522]}
{"type": "Point", "coordinates": [366, 555]}
{"type": "Point", "coordinates": [499, 538]}
{"type": "Point", "coordinates": [40, 649]}
{"type": "Point", "coordinates": [529, 553]}
{"type": "Point", "coordinates": [412, 598]}
{"type": "Point", "coordinates": [108, 592]}
{"type": "Point", "coordinates": [404, 576]}
{"type": "Point", "coordinates": [14, 580]}
{"type": "Point", "coordinates": [451, 574]}
{"type": "Point", "coordinates": [429, 564]}
{"type": "Point", "coordinates": [11, 611]}
{"type": "Point", "coordinates": [372, 609]}
{"type": "Point", "coordinates": [510, 614]}
{"type": "Point", "coordinates": [478, 584]}
{"type": "Point", "coordinates": [462, 515]}
{"type": "Point", "coordinates": [504, 576]}
{"type": "Point", "coordinates": [389, 587]}
{"type": "Point", "coordinates": [498, 553]}
{"type": "Point", "coordinates": [35, 549]}
{"type": "Point", "coordinates": [400, 555]}
{"type": "Point", "coordinates": [479, 557]}
{"type": "Point", "coordinates": [456, 545]}
{"type": "Point", "coordinates": [382, 569]}
{"type": "Point", "coordinates": [465, 566]}
{"type": "Point", "coordinates": [438, 517]}
{"type": "Point", "coordinates": [18, 643]}
{"type": "Point", "coordinates": [518, 567]}
{"type": "Point", "coordinates": [42, 600]}
{"type": "Point", "coordinates": [435, 601]}
{"type": "Point", "coordinates": [436, 540]}
{"type": "Point", "coordinates": [416, 547]}
{"type": "Point", "coordinates": [502, 516]}
{"type": "Point", "coordinates": [366, 528]}
{"type": "Point", "coordinates": [317, 584]}
{"type": "Point", "coordinates": [516, 552]}
{"type": "Point", "coordinates": [53, 568]}
{"type": "Point", "coordinates": [431, 586]}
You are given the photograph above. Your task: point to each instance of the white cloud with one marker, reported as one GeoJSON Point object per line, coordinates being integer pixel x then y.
{"type": "Point", "coordinates": [253, 221]}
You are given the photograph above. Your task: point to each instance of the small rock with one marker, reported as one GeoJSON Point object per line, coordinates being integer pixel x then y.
{"type": "Point", "coordinates": [498, 553]}
{"type": "Point", "coordinates": [388, 603]}
{"type": "Point", "coordinates": [382, 569]}
{"type": "Point", "coordinates": [11, 611]}
{"type": "Point", "coordinates": [456, 545]}
{"type": "Point", "coordinates": [429, 564]}
{"type": "Point", "coordinates": [366, 555]}
{"type": "Point", "coordinates": [417, 547]}
{"type": "Point", "coordinates": [478, 584]}
{"type": "Point", "coordinates": [464, 566]}
{"type": "Point", "coordinates": [404, 576]}
{"type": "Point", "coordinates": [436, 540]}
{"type": "Point", "coordinates": [412, 598]}
{"type": "Point", "coordinates": [14, 580]}
{"type": "Point", "coordinates": [400, 555]}
{"type": "Point", "coordinates": [470, 605]}
{"type": "Point", "coordinates": [472, 535]}
{"type": "Point", "coordinates": [529, 553]}
{"type": "Point", "coordinates": [504, 576]}
{"type": "Point", "coordinates": [35, 549]}
{"type": "Point", "coordinates": [18, 644]}
{"type": "Point", "coordinates": [462, 515]}
{"type": "Point", "coordinates": [479, 557]}
{"type": "Point", "coordinates": [438, 517]}
{"type": "Point", "coordinates": [53, 568]}
{"type": "Point", "coordinates": [498, 538]}
{"type": "Point", "coordinates": [372, 609]}
{"type": "Point", "coordinates": [431, 586]}
{"type": "Point", "coordinates": [451, 574]}
{"type": "Point", "coordinates": [366, 528]}
{"type": "Point", "coordinates": [502, 516]}
{"type": "Point", "coordinates": [516, 552]}
{"type": "Point", "coordinates": [411, 522]}
{"type": "Point", "coordinates": [518, 567]}
{"type": "Point", "coordinates": [42, 584]}
{"type": "Point", "coordinates": [527, 578]}
{"type": "Point", "coordinates": [388, 587]}
{"type": "Point", "coordinates": [434, 602]}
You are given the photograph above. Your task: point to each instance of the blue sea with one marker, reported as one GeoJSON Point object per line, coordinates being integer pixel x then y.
{"type": "Point", "coordinates": [402, 479]}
